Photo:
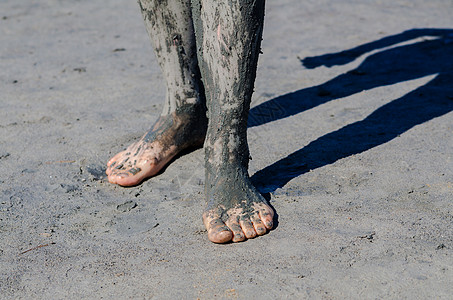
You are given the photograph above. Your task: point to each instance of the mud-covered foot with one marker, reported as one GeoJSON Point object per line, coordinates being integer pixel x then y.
{"type": "Point", "coordinates": [236, 211]}
{"type": "Point", "coordinates": [169, 136]}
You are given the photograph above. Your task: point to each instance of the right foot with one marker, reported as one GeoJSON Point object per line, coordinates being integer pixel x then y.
{"type": "Point", "coordinates": [169, 136]}
{"type": "Point", "coordinates": [236, 211]}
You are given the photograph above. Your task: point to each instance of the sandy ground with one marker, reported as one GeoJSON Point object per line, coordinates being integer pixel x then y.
{"type": "Point", "coordinates": [354, 151]}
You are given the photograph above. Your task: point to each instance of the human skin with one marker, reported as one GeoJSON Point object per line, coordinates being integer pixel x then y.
{"type": "Point", "coordinates": [183, 122]}
{"type": "Point", "coordinates": [227, 39]}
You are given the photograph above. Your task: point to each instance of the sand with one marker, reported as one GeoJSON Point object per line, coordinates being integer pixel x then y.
{"type": "Point", "coordinates": [356, 157]}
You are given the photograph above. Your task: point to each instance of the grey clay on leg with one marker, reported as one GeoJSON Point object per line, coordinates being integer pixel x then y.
{"type": "Point", "coordinates": [170, 27]}
{"type": "Point", "coordinates": [183, 120]}
{"type": "Point", "coordinates": [228, 38]}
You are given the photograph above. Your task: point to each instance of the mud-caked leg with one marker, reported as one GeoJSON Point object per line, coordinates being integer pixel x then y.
{"type": "Point", "coordinates": [183, 121]}
{"type": "Point", "coordinates": [228, 38]}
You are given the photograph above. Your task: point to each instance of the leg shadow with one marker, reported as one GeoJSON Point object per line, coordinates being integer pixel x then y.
{"type": "Point", "coordinates": [386, 123]}
{"type": "Point", "coordinates": [388, 67]}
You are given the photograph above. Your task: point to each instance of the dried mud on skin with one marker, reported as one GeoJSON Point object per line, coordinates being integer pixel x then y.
{"type": "Point", "coordinates": [363, 211]}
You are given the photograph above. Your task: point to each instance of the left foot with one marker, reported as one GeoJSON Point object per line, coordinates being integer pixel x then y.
{"type": "Point", "coordinates": [236, 211]}
{"type": "Point", "coordinates": [145, 158]}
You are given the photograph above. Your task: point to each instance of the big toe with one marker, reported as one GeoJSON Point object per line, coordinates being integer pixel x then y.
{"type": "Point", "coordinates": [127, 178]}
{"type": "Point", "coordinates": [123, 179]}
{"type": "Point", "coordinates": [218, 232]}
{"type": "Point", "coordinates": [220, 237]}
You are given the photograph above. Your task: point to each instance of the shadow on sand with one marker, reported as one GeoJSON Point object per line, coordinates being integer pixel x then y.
{"type": "Point", "coordinates": [432, 55]}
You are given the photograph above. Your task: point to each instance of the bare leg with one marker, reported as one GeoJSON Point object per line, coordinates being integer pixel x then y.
{"type": "Point", "coordinates": [229, 35]}
{"type": "Point", "coordinates": [183, 121]}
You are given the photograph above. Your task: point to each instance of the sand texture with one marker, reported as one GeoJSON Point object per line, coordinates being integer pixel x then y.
{"type": "Point", "coordinates": [351, 134]}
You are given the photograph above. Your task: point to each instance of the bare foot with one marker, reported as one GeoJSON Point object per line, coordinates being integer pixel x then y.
{"type": "Point", "coordinates": [236, 210]}
{"type": "Point", "coordinates": [169, 136]}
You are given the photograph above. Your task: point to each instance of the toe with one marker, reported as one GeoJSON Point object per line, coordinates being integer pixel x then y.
{"type": "Point", "coordinates": [218, 232]}
{"type": "Point", "coordinates": [114, 159]}
{"type": "Point", "coordinates": [131, 176]}
{"type": "Point", "coordinates": [113, 176]}
{"type": "Point", "coordinates": [114, 164]}
{"type": "Point", "coordinates": [109, 168]}
{"type": "Point", "coordinates": [238, 234]}
{"type": "Point", "coordinates": [127, 178]}
{"type": "Point", "coordinates": [247, 228]}
{"type": "Point", "coordinates": [266, 215]}
{"type": "Point", "coordinates": [221, 236]}
{"type": "Point", "coordinates": [258, 224]}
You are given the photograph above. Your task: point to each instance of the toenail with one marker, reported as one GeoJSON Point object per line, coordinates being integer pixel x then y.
{"type": "Point", "coordinates": [269, 224]}
{"type": "Point", "coordinates": [134, 170]}
{"type": "Point", "coordinates": [224, 228]}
